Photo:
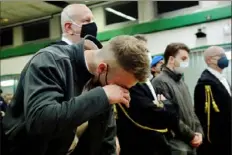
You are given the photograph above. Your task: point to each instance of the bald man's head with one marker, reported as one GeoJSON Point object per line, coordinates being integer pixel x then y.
{"type": "Point", "coordinates": [212, 52]}
{"type": "Point", "coordinates": [215, 58]}
{"type": "Point", "coordinates": [73, 18]}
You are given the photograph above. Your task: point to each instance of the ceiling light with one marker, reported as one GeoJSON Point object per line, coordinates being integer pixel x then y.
{"type": "Point", "coordinates": [4, 20]}
{"type": "Point", "coordinates": [7, 83]}
{"type": "Point", "coordinates": [228, 55]}
{"type": "Point", "coordinates": [120, 14]}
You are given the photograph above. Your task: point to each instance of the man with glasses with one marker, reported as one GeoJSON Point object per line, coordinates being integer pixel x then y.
{"type": "Point", "coordinates": [213, 104]}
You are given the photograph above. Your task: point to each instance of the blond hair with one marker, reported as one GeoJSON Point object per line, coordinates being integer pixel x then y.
{"type": "Point", "coordinates": [131, 55]}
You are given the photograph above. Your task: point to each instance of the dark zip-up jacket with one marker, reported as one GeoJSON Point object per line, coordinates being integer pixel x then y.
{"type": "Point", "coordinates": [172, 86]}
{"type": "Point", "coordinates": [218, 137]}
{"type": "Point", "coordinates": [48, 105]}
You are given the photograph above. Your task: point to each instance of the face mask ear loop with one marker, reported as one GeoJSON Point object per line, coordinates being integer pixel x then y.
{"type": "Point", "coordinates": [106, 75]}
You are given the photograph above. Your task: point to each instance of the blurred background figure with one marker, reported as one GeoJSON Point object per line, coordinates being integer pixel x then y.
{"type": "Point", "coordinates": [156, 65]}
{"type": "Point", "coordinates": [8, 97]}
{"type": "Point", "coordinates": [213, 104]}
{"type": "Point", "coordinates": [3, 104]}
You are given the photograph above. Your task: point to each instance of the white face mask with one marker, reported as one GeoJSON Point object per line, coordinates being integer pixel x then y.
{"type": "Point", "coordinates": [182, 67]}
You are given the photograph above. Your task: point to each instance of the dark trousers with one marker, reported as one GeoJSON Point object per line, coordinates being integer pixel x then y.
{"type": "Point", "coordinates": [3, 140]}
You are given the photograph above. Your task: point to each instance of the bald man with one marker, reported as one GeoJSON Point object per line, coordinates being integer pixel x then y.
{"type": "Point", "coordinates": [212, 98]}
{"type": "Point", "coordinates": [77, 21]}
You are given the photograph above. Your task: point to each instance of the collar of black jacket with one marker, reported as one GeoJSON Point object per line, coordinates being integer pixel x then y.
{"type": "Point", "coordinates": [79, 58]}
{"type": "Point", "coordinates": [176, 77]}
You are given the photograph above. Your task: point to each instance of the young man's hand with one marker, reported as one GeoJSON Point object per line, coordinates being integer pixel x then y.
{"type": "Point", "coordinates": [197, 140]}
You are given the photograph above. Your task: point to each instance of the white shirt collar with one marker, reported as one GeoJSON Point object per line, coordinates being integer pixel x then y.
{"type": "Point", "coordinates": [216, 73]}
{"type": "Point", "coordinates": [66, 40]}
{"type": "Point", "coordinates": [148, 82]}
{"type": "Point", "coordinates": [221, 78]}
{"type": "Point", "coordinates": [70, 43]}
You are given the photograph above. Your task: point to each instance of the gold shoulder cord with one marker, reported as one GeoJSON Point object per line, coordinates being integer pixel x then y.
{"type": "Point", "coordinates": [208, 97]}
{"type": "Point", "coordinates": [134, 122]}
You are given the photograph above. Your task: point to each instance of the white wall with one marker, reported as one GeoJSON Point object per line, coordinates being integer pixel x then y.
{"type": "Point", "coordinates": [157, 42]}
{"type": "Point", "coordinates": [14, 65]}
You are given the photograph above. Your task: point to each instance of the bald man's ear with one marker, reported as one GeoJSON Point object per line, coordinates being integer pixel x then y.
{"type": "Point", "coordinates": [208, 60]}
{"type": "Point", "coordinates": [68, 28]}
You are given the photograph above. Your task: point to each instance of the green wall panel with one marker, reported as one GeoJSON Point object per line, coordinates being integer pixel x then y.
{"type": "Point", "coordinates": [143, 28]}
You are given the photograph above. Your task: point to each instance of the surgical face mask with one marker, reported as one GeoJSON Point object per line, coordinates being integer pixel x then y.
{"type": "Point", "coordinates": [223, 62]}
{"type": "Point", "coordinates": [87, 29]}
{"type": "Point", "coordinates": [182, 66]}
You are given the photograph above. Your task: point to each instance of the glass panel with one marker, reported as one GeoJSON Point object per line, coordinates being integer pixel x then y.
{"type": "Point", "coordinates": [8, 84]}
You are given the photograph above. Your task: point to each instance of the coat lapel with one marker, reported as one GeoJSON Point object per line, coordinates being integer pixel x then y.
{"type": "Point", "coordinates": [217, 82]}
{"type": "Point", "coordinates": [146, 89]}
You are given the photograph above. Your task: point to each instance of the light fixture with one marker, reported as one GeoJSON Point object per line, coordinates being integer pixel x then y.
{"type": "Point", "coordinates": [4, 20]}
{"type": "Point", "coordinates": [120, 14]}
{"type": "Point", "coordinates": [227, 29]}
{"type": "Point", "coordinates": [7, 83]}
{"type": "Point", "coordinates": [228, 55]}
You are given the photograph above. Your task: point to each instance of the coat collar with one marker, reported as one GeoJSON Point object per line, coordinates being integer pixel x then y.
{"type": "Point", "coordinates": [176, 77]}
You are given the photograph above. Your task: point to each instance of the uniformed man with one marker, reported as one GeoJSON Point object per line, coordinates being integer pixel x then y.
{"type": "Point", "coordinates": [212, 99]}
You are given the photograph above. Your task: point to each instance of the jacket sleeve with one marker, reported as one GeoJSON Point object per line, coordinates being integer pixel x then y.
{"type": "Point", "coordinates": [45, 110]}
{"type": "Point", "coordinates": [198, 125]}
{"type": "Point", "coordinates": [199, 103]}
{"type": "Point", "coordinates": [181, 128]}
{"type": "Point", "coordinates": [158, 115]}
{"type": "Point", "coordinates": [109, 141]}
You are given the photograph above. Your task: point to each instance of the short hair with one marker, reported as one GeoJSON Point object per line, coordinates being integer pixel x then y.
{"type": "Point", "coordinates": [131, 55]}
{"type": "Point", "coordinates": [173, 49]}
{"type": "Point", "coordinates": [140, 37]}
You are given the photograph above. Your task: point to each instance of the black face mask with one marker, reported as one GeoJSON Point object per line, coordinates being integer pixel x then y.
{"type": "Point", "coordinates": [89, 29]}
{"type": "Point", "coordinates": [93, 84]}
{"type": "Point", "coordinates": [98, 83]}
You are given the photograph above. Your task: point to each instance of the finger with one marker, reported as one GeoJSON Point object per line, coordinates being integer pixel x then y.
{"type": "Point", "coordinates": [124, 90]}
{"type": "Point", "coordinates": [127, 96]}
{"type": "Point", "coordinates": [159, 98]}
{"type": "Point", "coordinates": [125, 102]}
{"type": "Point", "coordinates": [198, 141]}
{"type": "Point", "coordinates": [195, 145]}
{"type": "Point", "coordinates": [162, 96]}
